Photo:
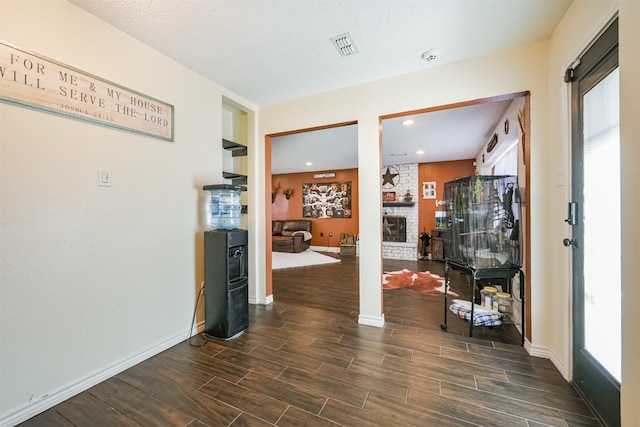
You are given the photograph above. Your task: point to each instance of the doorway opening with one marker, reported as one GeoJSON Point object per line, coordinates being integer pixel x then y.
{"type": "Point", "coordinates": [311, 175]}
{"type": "Point", "coordinates": [423, 149]}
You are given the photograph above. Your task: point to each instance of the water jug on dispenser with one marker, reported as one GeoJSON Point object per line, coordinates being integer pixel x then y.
{"type": "Point", "coordinates": [226, 210]}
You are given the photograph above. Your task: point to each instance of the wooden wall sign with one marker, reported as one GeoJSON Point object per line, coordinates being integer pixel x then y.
{"type": "Point", "coordinates": [34, 80]}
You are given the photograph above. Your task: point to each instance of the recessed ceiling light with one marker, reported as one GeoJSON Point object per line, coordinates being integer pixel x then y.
{"type": "Point", "coordinates": [408, 122]}
{"type": "Point", "coordinates": [309, 163]}
{"type": "Point", "coordinates": [420, 152]}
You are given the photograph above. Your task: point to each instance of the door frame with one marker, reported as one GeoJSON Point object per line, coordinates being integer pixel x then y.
{"type": "Point", "coordinates": [602, 51]}
{"type": "Point", "coordinates": [526, 195]}
{"type": "Point", "coordinates": [268, 186]}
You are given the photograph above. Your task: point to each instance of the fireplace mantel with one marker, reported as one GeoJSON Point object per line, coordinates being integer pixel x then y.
{"type": "Point", "coordinates": [398, 204]}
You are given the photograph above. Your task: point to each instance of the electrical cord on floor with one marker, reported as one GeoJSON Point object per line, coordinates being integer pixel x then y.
{"type": "Point", "coordinates": [193, 320]}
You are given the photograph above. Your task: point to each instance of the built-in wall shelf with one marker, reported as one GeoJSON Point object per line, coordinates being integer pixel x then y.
{"type": "Point", "coordinates": [236, 149]}
{"type": "Point", "coordinates": [236, 178]}
{"type": "Point", "coordinates": [398, 204]}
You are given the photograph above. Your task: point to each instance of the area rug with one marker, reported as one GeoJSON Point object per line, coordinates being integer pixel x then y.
{"type": "Point", "coordinates": [419, 281]}
{"type": "Point", "coordinates": [302, 259]}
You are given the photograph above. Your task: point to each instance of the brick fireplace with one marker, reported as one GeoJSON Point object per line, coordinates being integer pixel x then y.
{"type": "Point", "coordinates": [400, 219]}
{"type": "Point", "coordinates": [394, 228]}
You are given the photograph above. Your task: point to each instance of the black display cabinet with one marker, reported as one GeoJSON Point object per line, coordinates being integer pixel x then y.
{"type": "Point", "coordinates": [226, 283]}
{"type": "Point", "coordinates": [483, 239]}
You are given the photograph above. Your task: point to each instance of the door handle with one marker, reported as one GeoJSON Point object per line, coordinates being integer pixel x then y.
{"type": "Point", "coordinates": [570, 242]}
{"type": "Point", "coordinates": [572, 214]}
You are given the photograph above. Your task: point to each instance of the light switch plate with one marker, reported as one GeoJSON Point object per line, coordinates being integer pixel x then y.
{"type": "Point", "coordinates": [104, 177]}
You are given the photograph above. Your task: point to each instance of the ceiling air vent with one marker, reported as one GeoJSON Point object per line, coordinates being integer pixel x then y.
{"type": "Point", "coordinates": [345, 45]}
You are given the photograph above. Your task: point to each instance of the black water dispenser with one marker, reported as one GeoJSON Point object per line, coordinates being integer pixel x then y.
{"type": "Point", "coordinates": [226, 283]}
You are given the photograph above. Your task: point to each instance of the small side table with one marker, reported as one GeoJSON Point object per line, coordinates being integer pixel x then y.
{"type": "Point", "coordinates": [347, 244]}
{"type": "Point", "coordinates": [476, 274]}
{"type": "Point", "coordinates": [438, 238]}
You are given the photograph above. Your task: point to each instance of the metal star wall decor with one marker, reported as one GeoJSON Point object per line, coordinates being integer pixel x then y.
{"type": "Point", "coordinates": [390, 178]}
{"type": "Point", "coordinates": [387, 226]}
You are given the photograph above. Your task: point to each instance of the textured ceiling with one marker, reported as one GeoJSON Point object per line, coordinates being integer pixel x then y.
{"type": "Point", "coordinates": [269, 51]}
{"type": "Point", "coordinates": [439, 134]}
{"type": "Point", "coordinates": [273, 50]}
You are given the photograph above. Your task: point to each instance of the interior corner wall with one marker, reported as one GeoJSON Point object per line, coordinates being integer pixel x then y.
{"type": "Point", "coordinates": [321, 227]}
{"type": "Point", "coordinates": [94, 278]}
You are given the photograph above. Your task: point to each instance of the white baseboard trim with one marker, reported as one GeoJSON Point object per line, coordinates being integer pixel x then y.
{"type": "Point", "coordinates": [325, 249]}
{"type": "Point", "coordinates": [25, 411]}
{"type": "Point", "coordinates": [261, 301]}
{"type": "Point", "coordinates": [371, 320]}
{"type": "Point", "coordinates": [547, 353]}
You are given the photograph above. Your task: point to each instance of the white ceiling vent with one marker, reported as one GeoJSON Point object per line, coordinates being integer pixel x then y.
{"type": "Point", "coordinates": [345, 45]}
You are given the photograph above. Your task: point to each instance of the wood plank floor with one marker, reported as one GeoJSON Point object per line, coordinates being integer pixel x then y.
{"type": "Point", "coordinates": [305, 361]}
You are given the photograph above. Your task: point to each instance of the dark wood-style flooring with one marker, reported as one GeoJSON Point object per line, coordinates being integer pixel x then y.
{"type": "Point", "coordinates": [305, 361]}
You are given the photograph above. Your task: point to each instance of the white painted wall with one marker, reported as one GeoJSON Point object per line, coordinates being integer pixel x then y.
{"type": "Point", "coordinates": [92, 278]}
{"type": "Point", "coordinates": [580, 25]}
{"type": "Point", "coordinates": [630, 154]}
{"type": "Point", "coordinates": [538, 68]}
{"type": "Point", "coordinates": [515, 70]}
{"type": "Point", "coordinates": [505, 141]}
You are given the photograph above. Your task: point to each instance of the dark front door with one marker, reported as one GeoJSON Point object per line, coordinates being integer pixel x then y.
{"type": "Point", "coordinates": [594, 215]}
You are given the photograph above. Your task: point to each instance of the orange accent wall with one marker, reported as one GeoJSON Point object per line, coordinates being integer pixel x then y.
{"type": "Point", "coordinates": [282, 208]}
{"type": "Point", "coordinates": [440, 172]}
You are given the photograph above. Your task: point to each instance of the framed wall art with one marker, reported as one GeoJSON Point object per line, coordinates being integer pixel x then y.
{"type": "Point", "coordinates": [326, 200]}
{"type": "Point", "coordinates": [429, 190]}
